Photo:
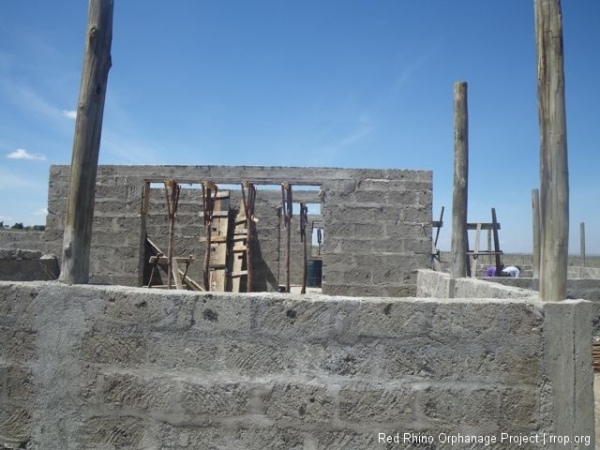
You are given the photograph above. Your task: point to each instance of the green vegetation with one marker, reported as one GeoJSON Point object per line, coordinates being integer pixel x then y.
{"type": "Point", "coordinates": [20, 227]}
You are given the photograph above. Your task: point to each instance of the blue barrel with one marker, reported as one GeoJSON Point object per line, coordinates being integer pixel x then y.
{"type": "Point", "coordinates": [314, 272]}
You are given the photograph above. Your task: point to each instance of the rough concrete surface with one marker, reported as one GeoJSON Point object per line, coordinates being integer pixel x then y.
{"type": "Point", "coordinates": [102, 367]}
{"type": "Point", "coordinates": [22, 240]}
{"type": "Point", "coordinates": [27, 265]}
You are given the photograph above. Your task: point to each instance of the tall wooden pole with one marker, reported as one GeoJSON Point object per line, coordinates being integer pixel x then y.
{"type": "Point", "coordinates": [86, 144]}
{"type": "Point", "coordinates": [535, 206]}
{"type": "Point", "coordinates": [461, 174]}
{"type": "Point", "coordinates": [582, 241]}
{"type": "Point", "coordinates": [554, 172]}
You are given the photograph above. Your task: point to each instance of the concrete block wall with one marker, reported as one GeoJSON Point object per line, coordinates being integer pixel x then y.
{"type": "Point", "coordinates": [93, 367]}
{"type": "Point", "coordinates": [431, 284]}
{"type": "Point", "coordinates": [377, 232]}
{"type": "Point", "coordinates": [22, 240]}
{"type": "Point", "coordinates": [26, 265]}
{"type": "Point", "coordinates": [376, 223]}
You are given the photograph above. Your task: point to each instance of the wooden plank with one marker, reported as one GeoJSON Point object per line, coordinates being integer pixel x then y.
{"type": "Point", "coordinates": [165, 260]}
{"type": "Point", "coordinates": [582, 241]}
{"type": "Point", "coordinates": [218, 255]}
{"type": "Point", "coordinates": [217, 280]}
{"type": "Point", "coordinates": [238, 273]}
{"type": "Point", "coordinates": [176, 277]}
{"type": "Point", "coordinates": [484, 226]}
{"type": "Point", "coordinates": [86, 144]}
{"type": "Point", "coordinates": [497, 251]}
{"type": "Point", "coordinates": [458, 267]}
{"type": "Point", "coordinates": [476, 251]}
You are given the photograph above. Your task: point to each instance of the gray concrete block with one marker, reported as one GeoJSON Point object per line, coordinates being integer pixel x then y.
{"type": "Point", "coordinates": [107, 432]}
{"type": "Point", "coordinates": [151, 394]}
{"type": "Point", "coordinates": [295, 403]}
{"type": "Point", "coordinates": [463, 408]}
{"type": "Point", "coordinates": [390, 405]}
{"type": "Point", "coordinates": [395, 319]}
{"type": "Point", "coordinates": [15, 422]}
{"type": "Point", "coordinates": [108, 348]}
{"type": "Point", "coordinates": [293, 318]}
{"type": "Point", "coordinates": [17, 344]}
{"type": "Point", "coordinates": [215, 400]}
{"type": "Point", "coordinates": [215, 312]}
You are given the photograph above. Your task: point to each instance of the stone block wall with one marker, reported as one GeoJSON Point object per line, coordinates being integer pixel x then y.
{"type": "Point", "coordinates": [376, 224]}
{"type": "Point", "coordinates": [22, 240]}
{"type": "Point", "coordinates": [377, 232]}
{"type": "Point", "coordinates": [26, 265]}
{"type": "Point", "coordinates": [93, 367]}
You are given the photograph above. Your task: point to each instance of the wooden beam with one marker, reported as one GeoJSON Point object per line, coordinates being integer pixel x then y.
{"type": "Point", "coordinates": [554, 172]}
{"type": "Point", "coordinates": [535, 205]}
{"type": "Point", "coordinates": [86, 144]}
{"type": "Point", "coordinates": [497, 252]}
{"type": "Point", "coordinates": [458, 267]}
{"type": "Point", "coordinates": [484, 226]}
{"type": "Point", "coordinates": [582, 241]}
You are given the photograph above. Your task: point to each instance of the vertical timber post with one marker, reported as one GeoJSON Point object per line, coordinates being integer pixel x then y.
{"type": "Point", "coordinates": [535, 205]}
{"type": "Point", "coordinates": [461, 174]}
{"type": "Point", "coordinates": [582, 241]}
{"type": "Point", "coordinates": [86, 144]}
{"type": "Point", "coordinates": [554, 172]}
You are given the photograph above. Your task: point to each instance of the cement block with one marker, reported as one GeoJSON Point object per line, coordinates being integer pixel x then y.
{"type": "Point", "coordinates": [390, 319]}
{"type": "Point", "coordinates": [222, 312]}
{"type": "Point", "coordinates": [143, 393]}
{"type": "Point", "coordinates": [134, 307]}
{"type": "Point", "coordinates": [251, 358]}
{"type": "Point", "coordinates": [299, 403]}
{"type": "Point", "coordinates": [15, 426]}
{"type": "Point", "coordinates": [109, 348]}
{"type": "Point", "coordinates": [17, 344]}
{"type": "Point", "coordinates": [293, 318]}
{"type": "Point", "coordinates": [247, 436]}
{"type": "Point", "coordinates": [462, 407]}
{"type": "Point", "coordinates": [183, 351]}
{"type": "Point", "coordinates": [215, 400]}
{"type": "Point", "coordinates": [376, 405]}
{"type": "Point", "coordinates": [106, 432]}
{"type": "Point", "coordinates": [16, 383]}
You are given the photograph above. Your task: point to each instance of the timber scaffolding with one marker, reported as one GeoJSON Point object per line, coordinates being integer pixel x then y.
{"type": "Point", "coordinates": [227, 264]}
{"type": "Point", "coordinates": [473, 255]}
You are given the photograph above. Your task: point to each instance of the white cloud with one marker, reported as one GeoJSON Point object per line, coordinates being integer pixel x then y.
{"type": "Point", "coordinates": [21, 153]}
{"type": "Point", "coordinates": [41, 212]}
{"type": "Point", "coordinates": [69, 114]}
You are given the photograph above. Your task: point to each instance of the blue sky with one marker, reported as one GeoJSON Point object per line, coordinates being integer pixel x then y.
{"type": "Point", "coordinates": [330, 83]}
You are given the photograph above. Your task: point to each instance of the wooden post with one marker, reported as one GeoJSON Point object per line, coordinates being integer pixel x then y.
{"type": "Point", "coordinates": [86, 144]}
{"type": "Point", "coordinates": [287, 205]}
{"type": "Point", "coordinates": [554, 172]}
{"type": "Point", "coordinates": [461, 173]}
{"type": "Point", "coordinates": [303, 225]}
{"type": "Point", "coordinates": [209, 196]}
{"type": "Point", "coordinates": [497, 253]}
{"type": "Point", "coordinates": [172, 190]}
{"type": "Point", "coordinates": [249, 202]}
{"type": "Point", "coordinates": [582, 242]}
{"type": "Point", "coordinates": [535, 203]}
